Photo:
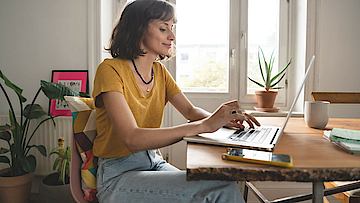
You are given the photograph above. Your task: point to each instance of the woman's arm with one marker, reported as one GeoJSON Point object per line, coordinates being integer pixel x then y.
{"type": "Point", "coordinates": [187, 109]}
{"type": "Point", "coordinates": [138, 139]}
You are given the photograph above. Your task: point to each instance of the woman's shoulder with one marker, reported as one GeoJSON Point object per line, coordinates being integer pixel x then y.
{"type": "Point", "coordinates": [114, 62]}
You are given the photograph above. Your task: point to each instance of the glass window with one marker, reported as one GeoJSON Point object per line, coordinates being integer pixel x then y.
{"type": "Point", "coordinates": [263, 31]}
{"type": "Point", "coordinates": [202, 45]}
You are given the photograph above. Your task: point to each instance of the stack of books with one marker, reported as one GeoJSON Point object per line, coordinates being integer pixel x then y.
{"type": "Point", "coordinates": [348, 140]}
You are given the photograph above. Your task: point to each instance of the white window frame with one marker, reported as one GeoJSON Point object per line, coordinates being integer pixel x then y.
{"type": "Point", "coordinates": [238, 60]}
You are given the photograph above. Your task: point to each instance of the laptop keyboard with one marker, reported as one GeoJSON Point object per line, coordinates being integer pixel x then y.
{"type": "Point", "coordinates": [250, 135]}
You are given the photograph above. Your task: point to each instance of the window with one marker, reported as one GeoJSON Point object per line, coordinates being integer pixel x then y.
{"type": "Point", "coordinates": [220, 44]}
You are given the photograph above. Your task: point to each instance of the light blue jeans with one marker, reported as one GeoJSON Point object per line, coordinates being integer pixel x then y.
{"type": "Point", "coordinates": [145, 177]}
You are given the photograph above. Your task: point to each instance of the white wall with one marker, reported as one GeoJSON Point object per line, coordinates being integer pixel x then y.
{"type": "Point", "coordinates": [338, 49]}
{"type": "Point", "coordinates": [39, 36]}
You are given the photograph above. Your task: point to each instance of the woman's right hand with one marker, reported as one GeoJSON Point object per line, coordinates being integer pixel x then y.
{"type": "Point", "coordinates": [228, 114]}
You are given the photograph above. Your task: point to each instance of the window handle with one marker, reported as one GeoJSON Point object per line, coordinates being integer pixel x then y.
{"type": "Point", "coordinates": [243, 36]}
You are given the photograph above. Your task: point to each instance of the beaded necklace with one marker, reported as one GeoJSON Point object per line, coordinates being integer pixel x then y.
{"type": "Point", "coordinates": [152, 75]}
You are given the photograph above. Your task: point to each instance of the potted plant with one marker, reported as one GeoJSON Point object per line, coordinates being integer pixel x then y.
{"type": "Point", "coordinates": [55, 187]}
{"type": "Point", "coordinates": [18, 136]}
{"type": "Point", "coordinates": [266, 98]}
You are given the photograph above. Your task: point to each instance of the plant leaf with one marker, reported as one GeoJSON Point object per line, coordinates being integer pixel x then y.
{"type": "Point", "coordinates": [273, 85]}
{"type": "Point", "coordinates": [36, 111]}
{"type": "Point", "coordinates": [54, 153]}
{"type": "Point", "coordinates": [58, 91]}
{"type": "Point", "coordinates": [56, 162]}
{"type": "Point", "coordinates": [261, 85]}
{"type": "Point", "coordinates": [4, 159]}
{"type": "Point", "coordinates": [3, 150]}
{"type": "Point", "coordinates": [6, 128]}
{"type": "Point", "coordinates": [11, 85]}
{"type": "Point", "coordinates": [63, 170]}
{"type": "Point", "coordinates": [276, 76]}
{"type": "Point", "coordinates": [261, 71]}
{"type": "Point", "coordinates": [5, 136]}
{"type": "Point", "coordinates": [28, 163]}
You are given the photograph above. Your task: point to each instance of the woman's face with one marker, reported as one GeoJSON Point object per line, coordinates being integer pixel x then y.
{"type": "Point", "coordinates": [159, 38]}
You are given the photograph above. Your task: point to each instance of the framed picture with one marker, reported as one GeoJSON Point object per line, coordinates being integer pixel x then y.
{"type": "Point", "coordinates": [76, 80]}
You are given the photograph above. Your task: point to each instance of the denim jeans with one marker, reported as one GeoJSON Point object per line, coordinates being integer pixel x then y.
{"type": "Point", "coordinates": [145, 177]}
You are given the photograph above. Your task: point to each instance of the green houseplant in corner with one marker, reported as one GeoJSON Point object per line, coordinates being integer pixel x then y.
{"type": "Point", "coordinates": [55, 187]}
{"type": "Point", "coordinates": [18, 137]}
{"type": "Point", "coordinates": [266, 98]}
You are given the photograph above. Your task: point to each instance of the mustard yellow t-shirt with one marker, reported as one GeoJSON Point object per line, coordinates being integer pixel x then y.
{"type": "Point", "coordinates": [116, 75]}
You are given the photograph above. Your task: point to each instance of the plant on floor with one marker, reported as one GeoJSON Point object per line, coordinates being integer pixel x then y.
{"type": "Point", "coordinates": [269, 82]}
{"type": "Point", "coordinates": [17, 134]}
{"type": "Point", "coordinates": [62, 162]}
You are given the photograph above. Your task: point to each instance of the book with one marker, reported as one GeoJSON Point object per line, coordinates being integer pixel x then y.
{"type": "Point", "coordinates": [345, 135]}
{"type": "Point", "coordinates": [352, 148]}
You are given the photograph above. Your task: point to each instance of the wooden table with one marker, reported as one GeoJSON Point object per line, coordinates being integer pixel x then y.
{"type": "Point", "coordinates": [315, 159]}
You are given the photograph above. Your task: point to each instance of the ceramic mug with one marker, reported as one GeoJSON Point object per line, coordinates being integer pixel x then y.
{"type": "Point", "coordinates": [317, 114]}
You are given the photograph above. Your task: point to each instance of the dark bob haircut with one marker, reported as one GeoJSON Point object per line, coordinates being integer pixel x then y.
{"type": "Point", "coordinates": [133, 26]}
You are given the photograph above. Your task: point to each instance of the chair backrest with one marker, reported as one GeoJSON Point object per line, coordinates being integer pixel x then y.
{"type": "Point", "coordinates": [83, 163]}
{"type": "Point", "coordinates": [337, 97]}
{"type": "Point", "coordinates": [75, 178]}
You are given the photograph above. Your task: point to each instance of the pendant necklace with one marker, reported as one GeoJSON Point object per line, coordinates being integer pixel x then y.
{"type": "Point", "coordinates": [152, 75]}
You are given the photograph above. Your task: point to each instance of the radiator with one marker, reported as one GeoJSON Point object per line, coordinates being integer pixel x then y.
{"type": "Point", "coordinates": [46, 135]}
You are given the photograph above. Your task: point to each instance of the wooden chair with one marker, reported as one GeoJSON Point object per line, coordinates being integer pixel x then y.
{"type": "Point", "coordinates": [331, 187]}
{"type": "Point", "coordinates": [340, 98]}
{"type": "Point", "coordinates": [337, 97]}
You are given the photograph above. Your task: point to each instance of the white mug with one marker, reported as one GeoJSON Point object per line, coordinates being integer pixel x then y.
{"type": "Point", "coordinates": [317, 114]}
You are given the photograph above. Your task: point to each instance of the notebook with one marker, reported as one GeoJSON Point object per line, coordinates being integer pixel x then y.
{"type": "Point", "coordinates": [262, 138]}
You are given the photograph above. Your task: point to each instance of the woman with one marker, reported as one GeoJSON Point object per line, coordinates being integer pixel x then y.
{"type": "Point", "coordinates": [131, 91]}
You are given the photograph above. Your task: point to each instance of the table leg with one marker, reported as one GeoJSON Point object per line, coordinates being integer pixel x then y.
{"type": "Point", "coordinates": [318, 192]}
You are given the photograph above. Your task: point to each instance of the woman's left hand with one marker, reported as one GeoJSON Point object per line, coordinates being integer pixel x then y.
{"type": "Point", "coordinates": [238, 123]}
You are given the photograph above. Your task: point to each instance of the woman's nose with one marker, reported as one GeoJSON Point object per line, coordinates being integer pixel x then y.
{"type": "Point", "coordinates": [171, 36]}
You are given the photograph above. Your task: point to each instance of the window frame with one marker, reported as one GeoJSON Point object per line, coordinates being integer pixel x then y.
{"type": "Point", "coordinates": [238, 56]}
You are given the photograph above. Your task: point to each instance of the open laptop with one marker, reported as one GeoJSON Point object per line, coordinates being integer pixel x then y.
{"type": "Point", "coordinates": [262, 138]}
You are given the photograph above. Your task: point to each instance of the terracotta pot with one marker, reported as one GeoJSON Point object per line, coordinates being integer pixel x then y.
{"type": "Point", "coordinates": [51, 191]}
{"type": "Point", "coordinates": [265, 99]}
{"type": "Point", "coordinates": [15, 189]}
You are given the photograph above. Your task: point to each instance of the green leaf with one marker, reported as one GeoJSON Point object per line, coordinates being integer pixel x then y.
{"type": "Point", "coordinates": [276, 76]}
{"type": "Point", "coordinates": [17, 89]}
{"type": "Point", "coordinates": [58, 91]}
{"type": "Point", "coordinates": [5, 136]}
{"type": "Point", "coordinates": [56, 162]}
{"type": "Point", "coordinates": [36, 111]}
{"type": "Point", "coordinates": [3, 150]}
{"type": "Point", "coordinates": [261, 71]}
{"type": "Point", "coordinates": [41, 149]}
{"type": "Point", "coordinates": [261, 85]}
{"type": "Point", "coordinates": [28, 163]}
{"type": "Point", "coordinates": [273, 85]}
{"type": "Point", "coordinates": [4, 159]}
{"type": "Point", "coordinates": [68, 153]}
{"type": "Point", "coordinates": [6, 128]}
{"type": "Point", "coordinates": [63, 171]}
{"type": "Point", "coordinates": [55, 152]}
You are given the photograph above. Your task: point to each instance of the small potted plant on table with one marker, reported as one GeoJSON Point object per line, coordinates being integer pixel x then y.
{"type": "Point", "coordinates": [266, 98]}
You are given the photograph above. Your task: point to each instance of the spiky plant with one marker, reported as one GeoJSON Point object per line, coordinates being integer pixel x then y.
{"type": "Point", "coordinates": [269, 81]}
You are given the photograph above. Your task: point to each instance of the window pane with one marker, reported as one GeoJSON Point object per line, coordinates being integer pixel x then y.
{"type": "Point", "coordinates": [202, 45]}
{"type": "Point", "coordinates": [263, 31]}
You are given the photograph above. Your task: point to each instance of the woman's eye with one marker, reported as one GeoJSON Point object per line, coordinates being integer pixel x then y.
{"type": "Point", "coordinates": [162, 30]}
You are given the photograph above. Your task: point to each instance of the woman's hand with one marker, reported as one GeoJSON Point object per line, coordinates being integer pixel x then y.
{"type": "Point", "coordinates": [230, 115]}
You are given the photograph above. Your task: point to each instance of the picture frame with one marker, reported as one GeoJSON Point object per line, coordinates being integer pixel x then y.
{"type": "Point", "coordinates": [77, 80]}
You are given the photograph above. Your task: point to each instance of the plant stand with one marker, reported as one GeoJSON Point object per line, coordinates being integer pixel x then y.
{"type": "Point", "coordinates": [51, 191]}
{"type": "Point", "coordinates": [15, 189]}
